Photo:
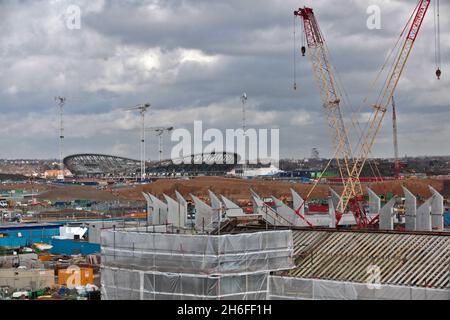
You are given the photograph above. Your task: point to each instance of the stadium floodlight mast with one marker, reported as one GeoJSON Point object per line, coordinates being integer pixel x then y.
{"type": "Point", "coordinates": [142, 108]}
{"type": "Point", "coordinates": [244, 101]}
{"type": "Point", "coordinates": [61, 102]}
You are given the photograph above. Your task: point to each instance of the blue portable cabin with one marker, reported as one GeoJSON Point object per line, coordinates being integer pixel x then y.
{"type": "Point", "coordinates": [22, 235]}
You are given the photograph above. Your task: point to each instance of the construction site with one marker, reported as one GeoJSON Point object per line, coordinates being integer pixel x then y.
{"type": "Point", "coordinates": [90, 226]}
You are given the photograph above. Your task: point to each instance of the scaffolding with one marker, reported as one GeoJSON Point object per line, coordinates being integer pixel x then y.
{"type": "Point", "coordinates": [291, 288]}
{"type": "Point", "coordinates": [153, 266]}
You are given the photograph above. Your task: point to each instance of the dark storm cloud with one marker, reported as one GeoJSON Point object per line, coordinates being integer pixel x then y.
{"type": "Point", "coordinates": [192, 60]}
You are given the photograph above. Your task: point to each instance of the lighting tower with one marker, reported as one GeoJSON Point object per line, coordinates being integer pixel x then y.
{"type": "Point", "coordinates": [142, 108]}
{"type": "Point", "coordinates": [244, 101]}
{"type": "Point", "coordinates": [159, 133]}
{"type": "Point", "coordinates": [61, 102]}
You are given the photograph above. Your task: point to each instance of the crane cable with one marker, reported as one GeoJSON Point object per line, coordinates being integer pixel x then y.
{"type": "Point", "coordinates": [353, 113]}
{"type": "Point", "coordinates": [295, 58]}
{"type": "Point", "coordinates": [388, 58]}
{"type": "Point", "coordinates": [437, 40]}
{"type": "Point", "coordinates": [380, 72]}
{"type": "Point", "coordinates": [316, 182]}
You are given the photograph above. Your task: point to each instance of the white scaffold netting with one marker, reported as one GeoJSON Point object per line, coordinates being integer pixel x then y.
{"type": "Point", "coordinates": [172, 266]}
{"type": "Point", "coordinates": [120, 284]}
{"type": "Point", "coordinates": [284, 288]}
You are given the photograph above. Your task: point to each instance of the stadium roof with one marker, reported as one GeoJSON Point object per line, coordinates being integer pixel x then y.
{"type": "Point", "coordinates": [112, 166]}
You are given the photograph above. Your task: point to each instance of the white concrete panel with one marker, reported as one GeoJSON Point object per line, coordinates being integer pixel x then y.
{"type": "Point", "coordinates": [347, 219]}
{"type": "Point", "coordinates": [217, 206]}
{"type": "Point", "coordinates": [288, 214]}
{"type": "Point", "coordinates": [424, 216]}
{"type": "Point", "coordinates": [387, 215]}
{"type": "Point", "coordinates": [159, 211]}
{"type": "Point", "coordinates": [257, 202]}
{"type": "Point", "coordinates": [174, 214]}
{"type": "Point", "coordinates": [374, 202]}
{"type": "Point", "coordinates": [331, 213]}
{"type": "Point", "coordinates": [437, 210]}
{"type": "Point", "coordinates": [215, 202]}
{"type": "Point", "coordinates": [410, 210]}
{"type": "Point", "coordinates": [149, 207]}
{"type": "Point", "coordinates": [183, 207]}
{"type": "Point", "coordinates": [297, 202]}
{"type": "Point", "coordinates": [268, 214]}
{"type": "Point", "coordinates": [231, 208]}
{"type": "Point", "coordinates": [335, 197]}
{"type": "Point", "coordinates": [203, 214]}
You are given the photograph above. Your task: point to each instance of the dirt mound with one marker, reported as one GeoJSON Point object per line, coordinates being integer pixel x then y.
{"type": "Point", "coordinates": [238, 189]}
{"type": "Point", "coordinates": [70, 193]}
{"type": "Point", "coordinates": [25, 186]}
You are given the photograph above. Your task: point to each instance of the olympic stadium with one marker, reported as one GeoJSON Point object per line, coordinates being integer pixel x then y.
{"type": "Point", "coordinates": [108, 166]}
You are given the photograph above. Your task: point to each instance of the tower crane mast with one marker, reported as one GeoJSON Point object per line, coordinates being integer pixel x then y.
{"type": "Point", "coordinates": [142, 108]}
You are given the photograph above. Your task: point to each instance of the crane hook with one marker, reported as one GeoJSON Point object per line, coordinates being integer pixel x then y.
{"type": "Point", "coordinates": [438, 73]}
{"type": "Point", "coordinates": [303, 51]}
{"type": "Point", "coordinates": [295, 86]}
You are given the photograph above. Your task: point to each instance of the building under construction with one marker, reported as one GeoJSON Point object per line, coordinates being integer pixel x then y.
{"type": "Point", "coordinates": [273, 253]}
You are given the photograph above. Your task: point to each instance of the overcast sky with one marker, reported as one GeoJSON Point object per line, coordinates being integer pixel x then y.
{"type": "Point", "coordinates": [192, 60]}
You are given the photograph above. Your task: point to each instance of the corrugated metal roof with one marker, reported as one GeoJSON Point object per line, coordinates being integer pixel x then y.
{"type": "Point", "coordinates": [403, 258]}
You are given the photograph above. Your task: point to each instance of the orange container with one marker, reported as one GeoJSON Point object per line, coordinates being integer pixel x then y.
{"type": "Point", "coordinates": [75, 276]}
{"type": "Point", "coordinates": [137, 215]}
{"type": "Point", "coordinates": [46, 257]}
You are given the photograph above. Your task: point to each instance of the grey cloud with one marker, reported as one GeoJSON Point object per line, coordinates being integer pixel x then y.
{"type": "Point", "coordinates": [101, 69]}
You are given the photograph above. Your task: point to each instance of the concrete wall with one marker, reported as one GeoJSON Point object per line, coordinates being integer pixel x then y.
{"type": "Point", "coordinates": [95, 229]}
{"type": "Point", "coordinates": [26, 279]}
{"type": "Point", "coordinates": [29, 260]}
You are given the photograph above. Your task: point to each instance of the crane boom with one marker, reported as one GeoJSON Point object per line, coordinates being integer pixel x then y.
{"type": "Point", "coordinates": [395, 139]}
{"type": "Point", "coordinates": [326, 83]}
{"type": "Point", "coordinates": [159, 130]}
{"type": "Point", "coordinates": [380, 107]}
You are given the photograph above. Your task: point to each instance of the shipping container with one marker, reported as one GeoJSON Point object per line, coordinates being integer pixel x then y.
{"type": "Point", "coordinates": [75, 276]}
